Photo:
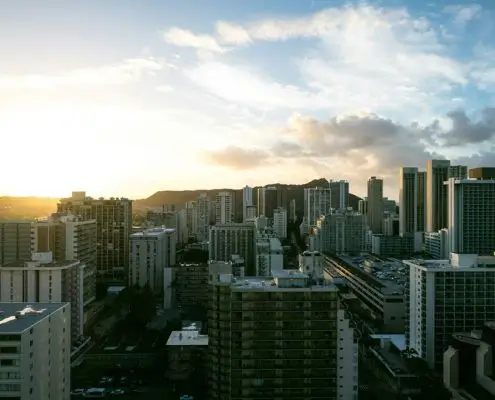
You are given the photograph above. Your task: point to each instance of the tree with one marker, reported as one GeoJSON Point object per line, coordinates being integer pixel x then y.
{"type": "Point", "coordinates": [142, 307]}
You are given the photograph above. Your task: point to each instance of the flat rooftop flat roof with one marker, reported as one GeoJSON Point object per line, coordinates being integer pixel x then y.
{"type": "Point", "coordinates": [15, 318]}
{"type": "Point", "coordinates": [187, 338]}
{"type": "Point", "coordinates": [265, 284]}
{"type": "Point", "coordinates": [152, 232]}
{"type": "Point", "coordinates": [398, 340]}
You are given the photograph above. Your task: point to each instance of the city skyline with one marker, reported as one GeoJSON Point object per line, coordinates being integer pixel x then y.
{"type": "Point", "coordinates": [126, 99]}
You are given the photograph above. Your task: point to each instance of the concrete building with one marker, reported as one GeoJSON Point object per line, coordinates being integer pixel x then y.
{"type": "Point", "coordinates": [421, 201]}
{"type": "Point", "coordinates": [311, 263]}
{"type": "Point", "coordinates": [35, 351]}
{"type": "Point", "coordinates": [292, 211]}
{"type": "Point", "coordinates": [268, 201]}
{"type": "Point", "coordinates": [152, 250]}
{"type": "Point", "coordinates": [483, 173]}
{"type": "Point", "coordinates": [408, 200]}
{"type": "Point", "coordinates": [69, 238]}
{"type": "Point", "coordinates": [269, 254]}
{"type": "Point", "coordinates": [191, 217]}
{"type": "Point", "coordinates": [375, 204]}
{"type": "Point", "coordinates": [438, 172]}
{"type": "Point", "coordinates": [339, 194]}
{"type": "Point", "coordinates": [389, 206]}
{"type": "Point", "coordinates": [223, 208]}
{"type": "Point", "coordinates": [363, 208]}
{"type": "Point", "coordinates": [396, 246]}
{"type": "Point", "coordinates": [251, 213]}
{"type": "Point", "coordinates": [202, 217]}
{"type": "Point", "coordinates": [468, 364]}
{"type": "Point", "coordinates": [341, 232]}
{"type": "Point", "coordinates": [280, 222]}
{"type": "Point", "coordinates": [437, 244]}
{"type": "Point", "coordinates": [44, 280]}
{"type": "Point", "coordinates": [229, 239]}
{"type": "Point", "coordinates": [278, 338]}
{"type": "Point", "coordinates": [317, 202]}
{"type": "Point", "coordinates": [445, 297]}
{"type": "Point", "coordinates": [15, 241]}
{"type": "Point", "coordinates": [381, 290]}
{"type": "Point", "coordinates": [186, 350]}
{"type": "Point", "coordinates": [114, 225]}
{"type": "Point", "coordinates": [247, 201]}
{"type": "Point", "coordinates": [471, 217]}
{"type": "Point", "coordinates": [391, 225]}
{"type": "Point", "coordinates": [191, 284]}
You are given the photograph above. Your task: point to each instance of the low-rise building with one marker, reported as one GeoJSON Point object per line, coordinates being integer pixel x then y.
{"type": "Point", "coordinates": [187, 351]}
{"type": "Point", "coordinates": [35, 351]}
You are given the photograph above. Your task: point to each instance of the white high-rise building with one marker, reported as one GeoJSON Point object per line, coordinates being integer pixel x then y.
{"type": "Point", "coordinates": [202, 217]}
{"type": "Point", "coordinates": [152, 250]}
{"type": "Point", "coordinates": [317, 202]}
{"type": "Point", "coordinates": [445, 297]}
{"type": "Point", "coordinates": [35, 350]}
{"type": "Point", "coordinates": [247, 201]}
{"type": "Point", "coordinates": [280, 222]}
{"type": "Point", "coordinates": [223, 208]}
{"type": "Point", "coordinates": [471, 217]}
{"type": "Point", "coordinates": [45, 280]}
{"type": "Point", "coordinates": [269, 254]}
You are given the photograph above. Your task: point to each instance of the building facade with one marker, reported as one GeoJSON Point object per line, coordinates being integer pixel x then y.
{"type": "Point", "coordinates": [223, 208]}
{"type": "Point", "coordinates": [35, 347]}
{"type": "Point", "coordinates": [15, 241]}
{"type": "Point", "coordinates": [280, 222]}
{"type": "Point", "coordinates": [375, 204]}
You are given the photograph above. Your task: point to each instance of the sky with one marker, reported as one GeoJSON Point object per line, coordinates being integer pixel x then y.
{"type": "Point", "coordinates": [125, 97]}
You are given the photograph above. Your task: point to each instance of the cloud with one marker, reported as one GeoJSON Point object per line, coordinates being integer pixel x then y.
{"type": "Point", "coordinates": [164, 89]}
{"type": "Point", "coordinates": [463, 14]}
{"type": "Point", "coordinates": [232, 34]}
{"type": "Point", "coordinates": [246, 87]}
{"type": "Point", "coordinates": [128, 71]}
{"type": "Point", "coordinates": [184, 38]}
{"type": "Point", "coordinates": [465, 130]}
{"type": "Point", "coordinates": [236, 157]}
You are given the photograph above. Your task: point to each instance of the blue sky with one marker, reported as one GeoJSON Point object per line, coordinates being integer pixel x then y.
{"type": "Point", "coordinates": [129, 97]}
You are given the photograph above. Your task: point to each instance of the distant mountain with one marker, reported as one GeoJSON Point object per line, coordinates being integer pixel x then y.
{"type": "Point", "coordinates": [180, 197]}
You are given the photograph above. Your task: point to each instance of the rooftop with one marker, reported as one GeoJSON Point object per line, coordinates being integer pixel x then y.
{"type": "Point", "coordinates": [152, 232]}
{"type": "Point", "coordinates": [187, 338]}
{"type": "Point", "coordinates": [266, 284]}
{"type": "Point", "coordinates": [15, 318]}
{"type": "Point", "coordinates": [457, 262]}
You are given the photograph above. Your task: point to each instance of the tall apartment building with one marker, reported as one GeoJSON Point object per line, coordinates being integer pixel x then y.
{"type": "Point", "coordinates": [471, 218]}
{"type": "Point", "coordinates": [269, 201]}
{"type": "Point", "coordinates": [247, 200]}
{"type": "Point", "coordinates": [191, 284]}
{"type": "Point", "coordinates": [437, 244]}
{"type": "Point", "coordinates": [280, 222]}
{"type": "Point", "coordinates": [15, 241]}
{"type": "Point", "coordinates": [445, 297]}
{"type": "Point", "coordinates": [292, 211]}
{"type": "Point", "coordinates": [317, 202]}
{"type": "Point", "coordinates": [278, 338]}
{"type": "Point", "coordinates": [191, 217]}
{"type": "Point", "coordinates": [269, 254]}
{"type": "Point", "coordinates": [421, 201]}
{"type": "Point", "coordinates": [202, 217]}
{"type": "Point", "coordinates": [389, 206]}
{"type": "Point", "coordinates": [152, 250]}
{"type": "Point", "coordinates": [113, 226]}
{"type": "Point", "coordinates": [341, 232]}
{"type": "Point", "coordinates": [375, 204]}
{"type": "Point", "coordinates": [44, 280]}
{"type": "Point", "coordinates": [339, 194]}
{"type": "Point", "coordinates": [363, 207]}
{"type": "Point", "coordinates": [69, 238]}
{"type": "Point", "coordinates": [35, 351]}
{"type": "Point", "coordinates": [230, 239]}
{"type": "Point", "coordinates": [223, 208]}
{"type": "Point", "coordinates": [438, 172]}
{"type": "Point", "coordinates": [408, 200]}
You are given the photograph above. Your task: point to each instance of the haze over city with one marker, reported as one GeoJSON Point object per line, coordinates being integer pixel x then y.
{"type": "Point", "coordinates": [127, 98]}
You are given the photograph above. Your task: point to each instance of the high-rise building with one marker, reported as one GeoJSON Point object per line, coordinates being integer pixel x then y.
{"type": "Point", "coordinates": [389, 206]}
{"type": "Point", "coordinates": [279, 338]}
{"type": "Point", "coordinates": [341, 232]}
{"type": "Point", "coordinates": [45, 280]}
{"type": "Point", "coordinates": [69, 238]}
{"type": "Point", "coordinates": [152, 250]}
{"type": "Point", "coordinates": [292, 211]}
{"type": "Point", "coordinates": [375, 204]}
{"type": "Point", "coordinates": [471, 220]}
{"type": "Point", "coordinates": [269, 254]}
{"type": "Point", "coordinates": [247, 200]}
{"type": "Point", "coordinates": [35, 347]}
{"type": "Point", "coordinates": [484, 173]}
{"type": "Point", "coordinates": [339, 194]}
{"type": "Point", "coordinates": [363, 207]}
{"type": "Point", "coordinates": [317, 202]}
{"type": "Point", "coordinates": [227, 240]}
{"type": "Point", "coordinates": [447, 296]}
{"type": "Point", "coordinates": [437, 173]}
{"type": "Point", "coordinates": [408, 207]}
{"type": "Point", "coordinates": [270, 200]}
{"type": "Point", "coordinates": [113, 226]}
{"type": "Point", "coordinates": [202, 217]}
{"type": "Point", "coordinates": [191, 217]}
{"type": "Point", "coordinates": [223, 208]}
{"type": "Point", "coordinates": [15, 241]}
{"type": "Point", "coordinates": [280, 222]}
{"type": "Point", "coordinates": [421, 201]}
